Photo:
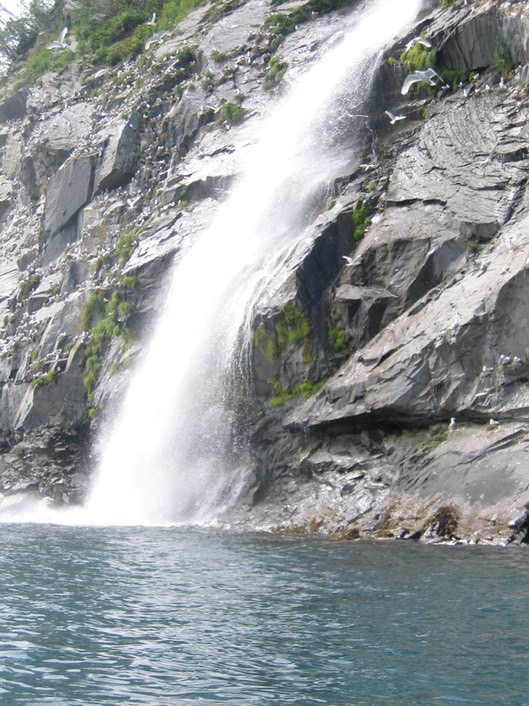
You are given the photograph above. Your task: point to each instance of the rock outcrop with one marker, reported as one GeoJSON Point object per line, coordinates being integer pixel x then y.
{"type": "Point", "coordinates": [106, 177]}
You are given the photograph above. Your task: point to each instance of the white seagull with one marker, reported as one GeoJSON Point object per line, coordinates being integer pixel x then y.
{"type": "Point", "coordinates": [348, 260]}
{"type": "Point", "coordinates": [452, 425]}
{"type": "Point", "coordinates": [426, 76]}
{"type": "Point", "coordinates": [418, 40]}
{"type": "Point", "coordinates": [59, 43]}
{"type": "Point", "coordinates": [152, 21]}
{"type": "Point", "coordinates": [393, 118]}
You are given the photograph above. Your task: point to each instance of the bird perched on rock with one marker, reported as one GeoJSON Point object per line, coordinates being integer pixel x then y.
{"type": "Point", "coordinates": [418, 40]}
{"type": "Point", "coordinates": [493, 424]}
{"type": "Point", "coordinates": [452, 425]}
{"type": "Point", "coordinates": [394, 118]}
{"type": "Point", "coordinates": [487, 369]}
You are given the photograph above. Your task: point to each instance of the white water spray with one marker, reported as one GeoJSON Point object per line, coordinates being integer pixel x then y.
{"type": "Point", "coordinates": [164, 458]}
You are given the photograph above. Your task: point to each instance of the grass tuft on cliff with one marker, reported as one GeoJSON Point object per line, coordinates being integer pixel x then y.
{"type": "Point", "coordinates": [105, 32]}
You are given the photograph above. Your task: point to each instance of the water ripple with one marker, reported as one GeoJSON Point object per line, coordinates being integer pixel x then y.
{"type": "Point", "coordinates": [168, 617]}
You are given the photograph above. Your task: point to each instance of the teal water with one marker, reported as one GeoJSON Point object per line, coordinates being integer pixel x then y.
{"type": "Point", "coordinates": [171, 616]}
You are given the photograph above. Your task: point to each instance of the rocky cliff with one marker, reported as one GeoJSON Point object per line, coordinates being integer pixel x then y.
{"type": "Point", "coordinates": [359, 365]}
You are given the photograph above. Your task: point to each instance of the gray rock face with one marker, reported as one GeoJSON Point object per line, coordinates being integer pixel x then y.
{"type": "Point", "coordinates": [14, 107]}
{"type": "Point", "coordinates": [120, 156]}
{"type": "Point", "coordinates": [428, 322]}
{"type": "Point", "coordinates": [437, 329]}
{"type": "Point", "coordinates": [68, 191]}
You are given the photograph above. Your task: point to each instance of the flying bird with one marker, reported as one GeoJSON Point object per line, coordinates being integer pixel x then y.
{"type": "Point", "coordinates": [393, 118]}
{"type": "Point", "coordinates": [59, 43]}
{"type": "Point", "coordinates": [348, 260]}
{"type": "Point", "coordinates": [429, 76]}
{"type": "Point", "coordinates": [152, 21]}
{"type": "Point", "coordinates": [418, 40]}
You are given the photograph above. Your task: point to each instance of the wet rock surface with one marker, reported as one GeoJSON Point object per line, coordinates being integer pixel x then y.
{"type": "Point", "coordinates": [107, 177]}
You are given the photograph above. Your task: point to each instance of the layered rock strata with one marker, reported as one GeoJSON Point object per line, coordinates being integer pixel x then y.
{"type": "Point", "coordinates": [108, 174]}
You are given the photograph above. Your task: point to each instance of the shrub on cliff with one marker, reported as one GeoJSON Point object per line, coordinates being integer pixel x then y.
{"type": "Point", "coordinates": [19, 34]}
{"type": "Point", "coordinates": [107, 31]}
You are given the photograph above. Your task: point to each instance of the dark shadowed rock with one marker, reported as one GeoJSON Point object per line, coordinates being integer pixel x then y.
{"type": "Point", "coordinates": [120, 155]}
{"type": "Point", "coordinates": [68, 191]}
{"type": "Point", "coordinates": [14, 107]}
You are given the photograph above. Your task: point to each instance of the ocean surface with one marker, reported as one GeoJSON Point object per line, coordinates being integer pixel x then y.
{"type": "Point", "coordinates": [173, 616]}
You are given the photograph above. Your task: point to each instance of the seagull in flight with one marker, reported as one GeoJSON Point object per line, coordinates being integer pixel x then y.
{"type": "Point", "coordinates": [348, 260]}
{"type": "Point", "coordinates": [418, 40]}
{"type": "Point", "coordinates": [426, 76]}
{"type": "Point", "coordinates": [152, 21]}
{"type": "Point", "coordinates": [394, 118]}
{"type": "Point", "coordinates": [59, 43]}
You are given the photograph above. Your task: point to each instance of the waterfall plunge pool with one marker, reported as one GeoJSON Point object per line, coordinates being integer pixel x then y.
{"type": "Point", "coordinates": [155, 616]}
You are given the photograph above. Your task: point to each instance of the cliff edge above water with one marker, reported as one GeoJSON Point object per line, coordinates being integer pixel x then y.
{"type": "Point", "coordinates": [107, 173]}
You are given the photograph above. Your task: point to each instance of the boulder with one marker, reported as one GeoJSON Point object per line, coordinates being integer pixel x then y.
{"type": "Point", "coordinates": [14, 107]}
{"type": "Point", "coordinates": [68, 191]}
{"type": "Point", "coordinates": [120, 155]}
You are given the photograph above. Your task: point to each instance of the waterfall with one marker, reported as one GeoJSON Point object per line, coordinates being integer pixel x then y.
{"type": "Point", "coordinates": [164, 457]}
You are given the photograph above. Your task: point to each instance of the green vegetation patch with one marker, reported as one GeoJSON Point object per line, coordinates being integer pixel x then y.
{"type": "Point", "coordinates": [265, 342]}
{"type": "Point", "coordinates": [232, 113]}
{"type": "Point", "coordinates": [361, 217]}
{"type": "Point", "coordinates": [418, 57]}
{"type": "Point", "coordinates": [106, 319]}
{"type": "Point", "coordinates": [338, 340]}
{"type": "Point", "coordinates": [28, 285]}
{"type": "Point", "coordinates": [280, 25]}
{"type": "Point", "coordinates": [127, 243]}
{"type": "Point", "coordinates": [338, 337]}
{"type": "Point", "coordinates": [453, 77]}
{"type": "Point", "coordinates": [41, 62]}
{"type": "Point", "coordinates": [292, 326]}
{"type": "Point", "coordinates": [93, 309]}
{"type": "Point", "coordinates": [503, 60]}
{"type": "Point", "coordinates": [45, 379]}
{"type": "Point", "coordinates": [19, 34]}
{"type": "Point", "coordinates": [275, 73]}
{"type": "Point", "coordinates": [106, 32]}
{"type": "Point", "coordinates": [306, 388]}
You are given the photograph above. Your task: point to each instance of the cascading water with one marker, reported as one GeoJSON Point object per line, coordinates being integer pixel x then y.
{"type": "Point", "coordinates": [164, 458]}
